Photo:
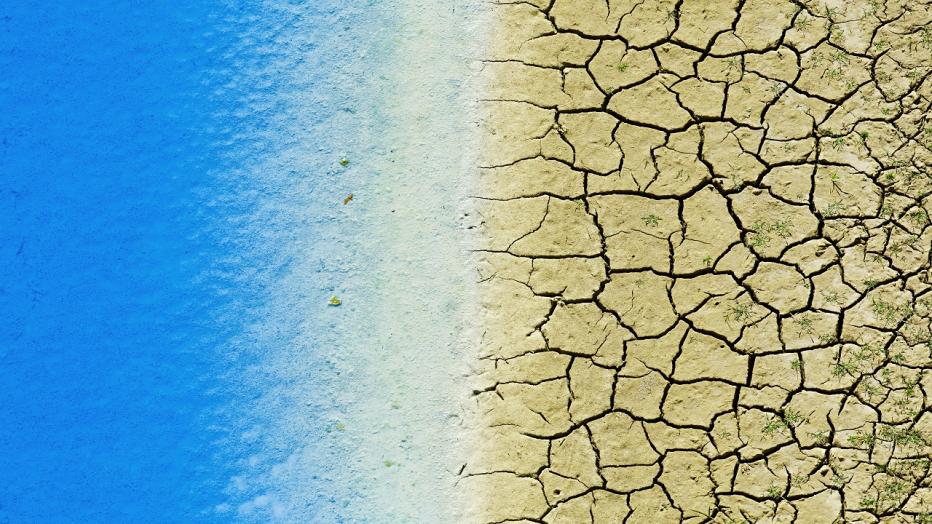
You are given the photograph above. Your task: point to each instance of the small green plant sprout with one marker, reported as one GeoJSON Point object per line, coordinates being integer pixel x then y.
{"type": "Point", "coordinates": [707, 261]}
{"type": "Point", "coordinates": [334, 301]}
{"type": "Point", "coordinates": [389, 463]}
{"type": "Point", "coordinates": [893, 492]}
{"type": "Point", "coordinates": [840, 369]}
{"type": "Point", "coordinates": [772, 426]}
{"type": "Point", "coordinates": [861, 439]}
{"type": "Point", "coordinates": [910, 389]}
{"type": "Point", "coordinates": [835, 177]}
{"type": "Point", "coordinates": [622, 67]}
{"type": "Point", "coordinates": [790, 419]}
{"type": "Point", "coordinates": [739, 313]}
{"type": "Point", "coordinates": [793, 418]}
{"type": "Point", "coordinates": [919, 217]}
{"type": "Point", "coordinates": [870, 284]}
{"type": "Point", "coordinates": [880, 45]}
{"type": "Point", "coordinates": [834, 209]}
{"type": "Point", "coordinates": [761, 232]}
{"type": "Point", "coordinates": [804, 326]}
{"type": "Point", "coordinates": [903, 436]}
{"type": "Point", "coordinates": [819, 437]}
{"type": "Point", "coordinates": [868, 352]}
{"type": "Point", "coordinates": [775, 493]}
{"type": "Point", "coordinates": [831, 297]}
{"type": "Point", "coordinates": [798, 480]}
{"type": "Point", "coordinates": [803, 22]}
{"type": "Point", "coordinates": [759, 236]}
{"type": "Point", "coordinates": [344, 162]}
{"type": "Point", "coordinates": [912, 175]}
{"type": "Point", "coordinates": [708, 515]}
{"type": "Point", "coordinates": [796, 364]}
{"type": "Point", "coordinates": [651, 220]}
{"type": "Point", "coordinates": [925, 37]}
{"type": "Point", "coordinates": [782, 229]}
{"type": "Point", "coordinates": [888, 312]}
{"type": "Point", "coordinates": [339, 426]}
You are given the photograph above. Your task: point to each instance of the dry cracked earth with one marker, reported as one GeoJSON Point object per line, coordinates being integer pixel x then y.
{"type": "Point", "coordinates": [705, 263]}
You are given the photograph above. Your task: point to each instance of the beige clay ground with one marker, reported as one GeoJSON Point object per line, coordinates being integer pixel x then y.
{"type": "Point", "coordinates": [705, 263]}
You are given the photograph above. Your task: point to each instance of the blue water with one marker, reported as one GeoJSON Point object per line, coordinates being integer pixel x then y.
{"type": "Point", "coordinates": [130, 272]}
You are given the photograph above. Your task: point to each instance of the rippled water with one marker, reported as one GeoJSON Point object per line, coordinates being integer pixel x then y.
{"type": "Point", "coordinates": [167, 243]}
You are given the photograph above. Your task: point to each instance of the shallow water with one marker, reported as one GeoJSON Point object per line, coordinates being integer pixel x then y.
{"type": "Point", "coordinates": [167, 237]}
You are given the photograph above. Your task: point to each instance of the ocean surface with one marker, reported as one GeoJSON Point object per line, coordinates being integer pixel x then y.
{"type": "Point", "coordinates": [171, 231]}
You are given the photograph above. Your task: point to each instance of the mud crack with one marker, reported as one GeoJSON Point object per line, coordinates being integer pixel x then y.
{"type": "Point", "coordinates": [705, 264]}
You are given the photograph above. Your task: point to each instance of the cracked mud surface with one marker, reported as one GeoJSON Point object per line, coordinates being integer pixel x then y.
{"type": "Point", "coordinates": [705, 263]}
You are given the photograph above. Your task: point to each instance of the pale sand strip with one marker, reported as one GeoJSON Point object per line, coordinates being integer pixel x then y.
{"type": "Point", "coordinates": [411, 440]}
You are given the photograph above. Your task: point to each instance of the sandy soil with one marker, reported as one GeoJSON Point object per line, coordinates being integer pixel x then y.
{"type": "Point", "coordinates": [705, 263]}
